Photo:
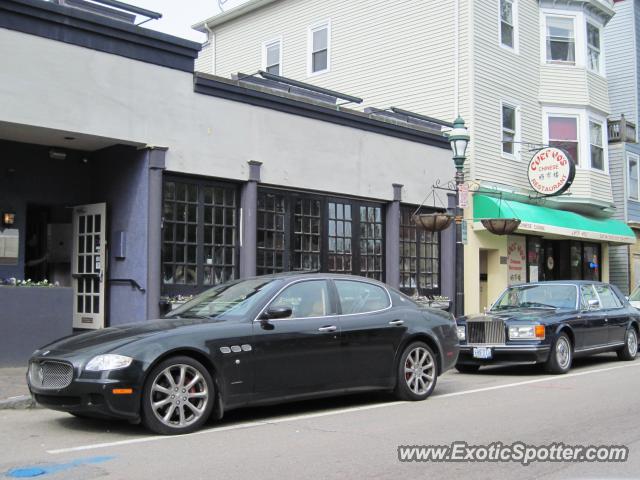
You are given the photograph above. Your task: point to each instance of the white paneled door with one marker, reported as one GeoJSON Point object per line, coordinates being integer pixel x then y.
{"type": "Point", "coordinates": [88, 265]}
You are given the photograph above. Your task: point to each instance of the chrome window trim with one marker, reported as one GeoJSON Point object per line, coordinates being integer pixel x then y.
{"type": "Point", "coordinates": [574, 285]}
{"type": "Point", "coordinates": [333, 315]}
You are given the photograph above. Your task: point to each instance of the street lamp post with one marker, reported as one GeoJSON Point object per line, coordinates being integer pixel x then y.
{"type": "Point", "coordinates": [459, 139]}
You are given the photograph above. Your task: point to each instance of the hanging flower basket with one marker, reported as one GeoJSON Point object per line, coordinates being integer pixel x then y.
{"type": "Point", "coordinates": [433, 222]}
{"type": "Point", "coordinates": [501, 226]}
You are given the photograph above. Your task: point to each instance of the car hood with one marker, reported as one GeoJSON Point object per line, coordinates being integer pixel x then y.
{"type": "Point", "coordinates": [107, 339]}
{"type": "Point", "coordinates": [520, 314]}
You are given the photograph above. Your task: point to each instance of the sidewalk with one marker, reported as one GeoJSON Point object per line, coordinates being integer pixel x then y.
{"type": "Point", "coordinates": [13, 389]}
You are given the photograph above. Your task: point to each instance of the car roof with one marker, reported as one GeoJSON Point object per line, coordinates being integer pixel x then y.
{"type": "Point", "coordinates": [292, 276]}
{"type": "Point", "coordinates": [564, 282]}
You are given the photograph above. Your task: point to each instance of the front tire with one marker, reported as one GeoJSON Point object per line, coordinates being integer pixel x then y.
{"type": "Point", "coordinates": [178, 396]}
{"type": "Point", "coordinates": [560, 356]}
{"type": "Point", "coordinates": [630, 349]}
{"type": "Point", "coordinates": [417, 372]}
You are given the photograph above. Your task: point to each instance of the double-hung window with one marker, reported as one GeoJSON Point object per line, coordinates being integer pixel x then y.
{"type": "Point", "coordinates": [632, 166]}
{"type": "Point", "coordinates": [509, 129]}
{"type": "Point", "coordinates": [563, 133]}
{"type": "Point", "coordinates": [561, 40]}
{"type": "Point", "coordinates": [597, 145]}
{"type": "Point", "coordinates": [507, 23]}
{"type": "Point", "coordinates": [319, 40]}
{"type": "Point", "coordinates": [272, 57]}
{"type": "Point", "coordinates": [593, 47]}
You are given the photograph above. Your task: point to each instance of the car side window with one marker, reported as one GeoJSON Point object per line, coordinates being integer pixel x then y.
{"type": "Point", "coordinates": [361, 297]}
{"type": "Point", "coordinates": [608, 299]}
{"type": "Point", "coordinates": [587, 293]}
{"type": "Point", "coordinates": [306, 299]}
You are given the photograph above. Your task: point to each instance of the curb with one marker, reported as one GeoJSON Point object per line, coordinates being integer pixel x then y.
{"type": "Point", "coordinates": [21, 402]}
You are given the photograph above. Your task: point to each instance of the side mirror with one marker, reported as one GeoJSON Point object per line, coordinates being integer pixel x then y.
{"type": "Point", "coordinates": [626, 297]}
{"type": "Point", "coordinates": [276, 312]}
{"type": "Point", "coordinates": [594, 304]}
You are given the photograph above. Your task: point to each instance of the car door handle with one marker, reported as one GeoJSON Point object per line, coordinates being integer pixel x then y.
{"type": "Point", "coordinates": [396, 323]}
{"type": "Point", "coordinates": [330, 328]}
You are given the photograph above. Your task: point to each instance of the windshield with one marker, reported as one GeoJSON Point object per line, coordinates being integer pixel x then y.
{"type": "Point", "coordinates": [537, 296]}
{"type": "Point", "coordinates": [233, 299]}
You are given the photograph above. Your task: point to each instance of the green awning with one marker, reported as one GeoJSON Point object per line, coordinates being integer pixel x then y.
{"type": "Point", "coordinates": [550, 221]}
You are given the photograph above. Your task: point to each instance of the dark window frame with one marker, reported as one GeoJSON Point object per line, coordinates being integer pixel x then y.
{"type": "Point", "coordinates": [290, 197]}
{"type": "Point", "coordinates": [172, 289]}
{"type": "Point", "coordinates": [405, 212]}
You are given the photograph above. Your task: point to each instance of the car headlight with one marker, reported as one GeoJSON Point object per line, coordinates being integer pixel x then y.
{"type": "Point", "coordinates": [108, 362]}
{"type": "Point", "coordinates": [526, 332]}
{"type": "Point", "coordinates": [462, 332]}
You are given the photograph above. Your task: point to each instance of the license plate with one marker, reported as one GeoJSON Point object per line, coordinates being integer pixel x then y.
{"type": "Point", "coordinates": [481, 352]}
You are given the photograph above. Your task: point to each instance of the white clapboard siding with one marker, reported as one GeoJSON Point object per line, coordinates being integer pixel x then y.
{"type": "Point", "coordinates": [620, 37]}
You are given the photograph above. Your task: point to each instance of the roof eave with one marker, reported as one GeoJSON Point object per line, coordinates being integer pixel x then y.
{"type": "Point", "coordinates": [234, 13]}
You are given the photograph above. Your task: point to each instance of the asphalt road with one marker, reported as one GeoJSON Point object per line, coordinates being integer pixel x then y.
{"type": "Point", "coordinates": [355, 437]}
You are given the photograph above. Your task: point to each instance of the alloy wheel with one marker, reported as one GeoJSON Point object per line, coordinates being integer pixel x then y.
{"type": "Point", "coordinates": [419, 370]}
{"type": "Point", "coordinates": [563, 353]}
{"type": "Point", "coordinates": [179, 396]}
{"type": "Point", "coordinates": [632, 342]}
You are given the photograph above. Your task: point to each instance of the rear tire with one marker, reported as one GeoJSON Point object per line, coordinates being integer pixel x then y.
{"type": "Point", "coordinates": [560, 356]}
{"type": "Point", "coordinates": [178, 396]}
{"type": "Point", "coordinates": [465, 368]}
{"type": "Point", "coordinates": [630, 349]}
{"type": "Point", "coordinates": [417, 372]}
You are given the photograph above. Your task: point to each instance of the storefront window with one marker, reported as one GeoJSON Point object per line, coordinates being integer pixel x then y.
{"type": "Point", "coordinates": [591, 262]}
{"type": "Point", "coordinates": [562, 260]}
{"type": "Point", "coordinates": [534, 259]}
{"type": "Point", "coordinates": [199, 234]}
{"type": "Point", "coordinates": [419, 257]}
{"type": "Point", "coordinates": [305, 232]}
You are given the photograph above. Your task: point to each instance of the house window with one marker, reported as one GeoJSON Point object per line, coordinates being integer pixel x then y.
{"type": "Point", "coordinates": [419, 257]}
{"type": "Point", "coordinates": [561, 44]}
{"type": "Point", "coordinates": [632, 162]}
{"type": "Point", "coordinates": [299, 231]}
{"type": "Point", "coordinates": [563, 133]}
{"type": "Point", "coordinates": [272, 57]}
{"type": "Point", "coordinates": [593, 47]}
{"type": "Point", "coordinates": [199, 235]}
{"type": "Point", "coordinates": [596, 142]}
{"type": "Point", "coordinates": [507, 23]}
{"type": "Point", "coordinates": [319, 49]}
{"type": "Point", "coordinates": [509, 129]}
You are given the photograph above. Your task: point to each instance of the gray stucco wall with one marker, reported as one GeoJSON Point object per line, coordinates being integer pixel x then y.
{"type": "Point", "coordinates": [31, 318]}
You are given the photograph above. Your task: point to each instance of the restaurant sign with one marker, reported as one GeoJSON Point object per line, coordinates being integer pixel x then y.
{"type": "Point", "coordinates": [551, 171]}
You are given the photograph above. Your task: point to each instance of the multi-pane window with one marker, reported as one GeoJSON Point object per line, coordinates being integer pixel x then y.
{"type": "Point", "coordinates": [509, 129]}
{"type": "Point", "coordinates": [593, 47]}
{"type": "Point", "coordinates": [306, 234]}
{"type": "Point", "coordinates": [299, 231]}
{"type": "Point", "coordinates": [507, 23]}
{"type": "Point", "coordinates": [199, 235]}
{"type": "Point", "coordinates": [560, 39]}
{"type": "Point", "coordinates": [419, 257]}
{"type": "Point", "coordinates": [371, 237]}
{"type": "Point", "coordinates": [632, 166]}
{"type": "Point", "coordinates": [272, 54]}
{"type": "Point", "coordinates": [563, 133]}
{"type": "Point", "coordinates": [340, 238]}
{"type": "Point", "coordinates": [270, 233]}
{"type": "Point", "coordinates": [596, 143]}
{"type": "Point", "coordinates": [319, 43]}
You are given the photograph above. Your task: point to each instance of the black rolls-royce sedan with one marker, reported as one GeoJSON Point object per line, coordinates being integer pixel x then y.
{"type": "Point", "coordinates": [549, 323]}
{"type": "Point", "coordinates": [261, 340]}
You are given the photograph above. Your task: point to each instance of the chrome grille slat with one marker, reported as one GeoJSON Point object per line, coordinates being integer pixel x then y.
{"type": "Point", "coordinates": [50, 374]}
{"type": "Point", "coordinates": [486, 332]}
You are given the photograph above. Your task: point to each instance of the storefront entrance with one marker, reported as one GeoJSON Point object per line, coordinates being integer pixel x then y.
{"type": "Point", "coordinates": [563, 260]}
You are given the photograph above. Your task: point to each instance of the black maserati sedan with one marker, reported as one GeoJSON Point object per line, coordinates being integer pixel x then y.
{"type": "Point", "coordinates": [549, 323]}
{"type": "Point", "coordinates": [261, 340]}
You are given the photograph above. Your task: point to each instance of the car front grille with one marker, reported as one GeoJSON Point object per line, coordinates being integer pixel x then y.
{"type": "Point", "coordinates": [50, 374]}
{"type": "Point", "coordinates": [486, 333]}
